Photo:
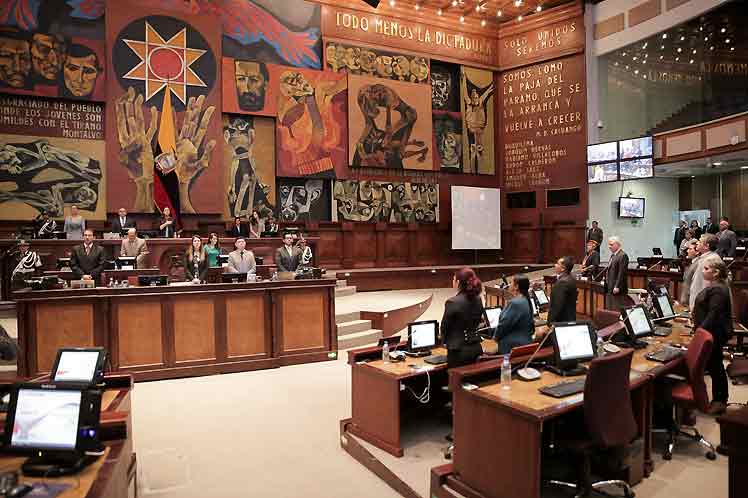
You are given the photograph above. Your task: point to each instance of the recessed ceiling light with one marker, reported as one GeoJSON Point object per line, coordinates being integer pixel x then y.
{"type": "Point", "coordinates": [636, 71]}
{"type": "Point", "coordinates": [439, 12]}
{"type": "Point", "coordinates": [682, 38]}
{"type": "Point", "coordinates": [732, 49]}
{"type": "Point", "coordinates": [744, 167]}
{"type": "Point", "coordinates": [693, 51]}
{"type": "Point", "coordinates": [677, 59]}
{"type": "Point", "coordinates": [664, 36]}
{"type": "Point", "coordinates": [680, 50]}
{"type": "Point", "coordinates": [644, 46]}
{"type": "Point", "coordinates": [627, 68]}
{"type": "Point", "coordinates": [662, 57]}
{"type": "Point", "coordinates": [692, 176]}
{"type": "Point", "coordinates": [644, 61]}
{"type": "Point", "coordinates": [615, 63]}
{"type": "Point", "coordinates": [711, 48]}
{"type": "Point", "coordinates": [662, 47]}
{"type": "Point", "coordinates": [635, 57]}
{"type": "Point", "coordinates": [482, 22]}
{"type": "Point", "coordinates": [706, 38]}
{"type": "Point", "coordinates": [624, 54]}
{"type": "Point", "coordinates": [392, 3]}
{"type": "Point", "coordinates": [701, 28]}
{"type": "Point", "coordinates": [644, 76]}
{"type": "Point", "coordinates": [454, 3]}
{"type": "Point", "coordinates": [418, 6]}
{"type": "Point", "coordinates": [462, 18]}
{"type": "Point", "coordinates": [691, 61]}
{"type": "Point", "coordinates": [517, 3]}
{"type": "Point", "coordinates": [499, 13]}
{"type": "Point", "coordinates": [538, 8]}
{"type": "Point", "coordinates": [519, 18]}
{"type": "Point", "coordinates": [727, 40]}
{"type": "Point", "coordinates": [722, 30]}
{"type": "Point", "coordinates": [717, 163]}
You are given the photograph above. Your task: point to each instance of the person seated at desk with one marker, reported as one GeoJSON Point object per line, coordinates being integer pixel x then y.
{"type": "Point", "coordinates": [238, 229]}
{"type": "Point", "coordinates": [241, 260]}
{"type": "Point", "coordinates": [712, 311]}
{"type": "Point", "coordinates": [213, 250]}
{"type": "Point", "coordinates": [87, 259]}
{"type": "Point", "coordinates": [167, 225]}
{"type": "Point", "coordinates": [47, 228]}
{"type": "Point", "coordinates": [516, 326]}
{"type": "Point", "coordinates": [463, 314]}
{"type": "Point", "coordinates": [563, 306]}
{"type": "Point", "coordinates": [195, 261]}
{"type": "Point", "coordinates": [256, 225]}
{"type": "Point", "coordinates": [134, 247]}
{"type": "Point", "coordinates": [591, 260]}
{"type": "Point", "coordinates": [287, 258]}
{"type": "Point", "coordinates": [27, 263]}
{"type": "Point", "coordinates": [122, 222]}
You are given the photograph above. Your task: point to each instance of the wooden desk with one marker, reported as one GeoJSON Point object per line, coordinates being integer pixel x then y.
{"type": "Point", "coordinates": [498, 433]}
{"type": "Point", "coordinates": [734, 430]}
{"type": "Point", "coordinates": [177, 331]}
{"type": "Point", "coordinates": [590, 295]}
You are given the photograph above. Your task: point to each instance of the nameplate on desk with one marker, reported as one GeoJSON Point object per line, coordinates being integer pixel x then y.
{"type": "Point", "coordinates": [127, 267]}
{"type": "Point", "coordinates": [642, 267]}
{"type": "Point", "coordinates": [741, 248]}
{"type": "Point", "coordinates": [674, 270]}
{"type": "Point", "coordinates": [727, 259]}
{"type": "Point", "coordinates": [583, 279]}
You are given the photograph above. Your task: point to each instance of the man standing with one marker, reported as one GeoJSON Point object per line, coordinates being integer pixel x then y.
{"type": "Point", "coordinates": [710, 227]}
{"type": "Point", "coordinates": [563, 306]}
{"type": "Point", "coordinates": [27, 263]}
{"type": "Point", "coordinates": [728, 241]}
{"type": "Point", "coordinates": [87, 259]}
{"type": "Point", "coordinates": [595, 233]}
{"type": "Point", "coordinates": [238, 229]}
{"type": "Point", "coordinates": [48, 226]}
{"type": "Point", "coordinates": [705, 247]}
{"type": "Point", "coordinates": [241, 260]}
{"type": "Point", "coordinates": [287, 257]}
{"type": "Point", "coordinates": [134, 247]}
{"type": "Point", "coordinates": [616, 279]}
{"type": "Point", "coordinates": [680, 234]}
{"type": "Point", "coordinates": [122, 222]}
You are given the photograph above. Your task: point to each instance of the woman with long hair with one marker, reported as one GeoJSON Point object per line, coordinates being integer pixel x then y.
{"type": "Point", "coordinates": [195, 261]}
{"type": "Point", "coordinates": [462, 318]}
{"type": "Point", "coordinates": [712, 311]}
{"type": "Point", "coordinates": [75, 225]}
{"type": "Point", "coordinates": [167, 226]}
{"type": "Point", "coordinates": [256, 225]}
{"type": "Point", "coordinates": [212, 249]}
{"type": "Point", "coordinates": [516, 327]}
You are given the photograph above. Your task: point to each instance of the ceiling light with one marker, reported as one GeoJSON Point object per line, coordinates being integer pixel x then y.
{"type": "Point", "coordinates": [519, 18]}
{"type": "Point", "coordinates": [717, 163]}
{"type": "Point", "coordinates": [727, 40]}
{"type": "Point", "coordinates": [392, 3]}
{"type": "Point", "coordinates": [477, 8]}
{"type": "Point", "coordinates": [694, 51]}
{"type": "Point", "coordinates": [517, 3]}
{"type": "Point", "coordinates": [454, 3]}
{"type": "Point", "coordinates": [711, 48]}
{"type": "Point", "coordinates": [662, 57]}
{"type": "Point", "coordinates": [701, 28]}
{"type": "Point", "coordinates": [664, 36]}
{"type": "Point", "coordinates": [624, 54]}
{"type": "Point", "coordinates": [615, 63]}
{"type": "Point", "coordinates": [635, 57]}
{"type": "Point", "coordinates": [691, 61]}
{"type": "Point", "coordinates": [462, 18]}
{"type": "Point", "coordinates": [538, 8]}
{"type": "Point", "coordinates": [677, 59]}
{"type": "Point", "coordinates": [682, 38]}
{"type": "Point", "coordinates": [706, 38]}
{"type": "Point", "coordinates": [439, 12]}
{"type": "Point", "coordinates": [744, 167]}
{"type": "Point", "coordinates": [627, 68]}
{"type": "Point", "coordinates": [418, 6]}
{"type": "Point", "coordinates": [644, 76]}
{"type": "Point", "coordinates": [644, 61]}
{"type": "Point", "coordinates": [693, 176]}
{"type": "Point", "coordinates": [499, 13]}
{"type": "Point", "coordinates": [680, 50]}
{"type": "Point", "coordinates": [482, 22]}
{"type": "Point", "coordinates": [662, 47]}
{"type": "Point", "coordinates": [644, 47]}
{"type": "Point", "coordinates": [636, 71]}
{"type": "Point", "coordinates": [732, 49]}
{"type": "Point", "coordinates": [722, 30]}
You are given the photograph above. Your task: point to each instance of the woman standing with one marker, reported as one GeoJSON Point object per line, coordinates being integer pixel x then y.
{"type": "Point", "coordinates": [462, 317]}
{"type": "Point", "coordinates": [685, 288]}
{"type": "Point", "coordinates": [212, 250]}
{"type": "Point", "coordinates": [75, 224]}
{"type": "Point", "coordinates": [516, 327]}
{"type": "Point", "coordinates": [684, 243]}
{"type": "Point", "coordinates": [195, 261]}
{"type": "Point", "coordinates": [256, 225]}
{"type": "Point", "coordinates": [696, 229]}
{"type": "Point", "coordinates": [167, 226]}
{"type": "Point", "coordinates": [713, 312]}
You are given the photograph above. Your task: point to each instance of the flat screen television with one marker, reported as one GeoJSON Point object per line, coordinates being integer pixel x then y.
{"type": "Point", "coordinates": [602, 172]}
{"type": "Point", "coordinates": [631, 207]}
{"type": "Point", "coordinates": [635, 169]}
{"type": "Point", "coordinates": [602, 153]}
{"type": "Point", "coordinates": [635, 147]}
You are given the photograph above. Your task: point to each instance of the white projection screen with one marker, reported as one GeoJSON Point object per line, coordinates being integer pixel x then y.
{"type": "Point", "coordinates": [476, 218]}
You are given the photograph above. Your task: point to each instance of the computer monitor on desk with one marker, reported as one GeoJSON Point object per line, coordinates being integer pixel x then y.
{"type": "Point", "coordinates": [79, 366]}
{"type": "Point", "coordinates": [56, 425]}
{"type": "Point", "coordinates": [638, 325]}
{"type": "Point", "coordinates": [492, 316]}
{"type": "Point", "coordinates": [540, 298]}
{"type": "Point", "coordinates": [126, 262]}
{"type": "Point", "coordinates": [422, 336]}
{"type": "Point", "coordinates": [663, 308]}
{"type": "Point", "coordinates": [233, 278]}
{"type": "Point", "coordinates": [573, 343]}
{"type": "Point", "coordinates": [63, 263]}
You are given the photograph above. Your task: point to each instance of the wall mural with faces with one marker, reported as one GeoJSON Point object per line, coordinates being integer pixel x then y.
{"type": "Point", "coordinates": [301, 200]}
{"type": "Point", "coordinates": [476, 94]}
{"type": "Point", "coordinates": [51, 65]}
{"type": "Point", "coordinates": [351, 59]}
{"type": "Point", "coordinates": [388, 202]}
{"type": "Point", "coordinates": [247, 87]}
{"type": "Point", "coordinates": [445, 98]}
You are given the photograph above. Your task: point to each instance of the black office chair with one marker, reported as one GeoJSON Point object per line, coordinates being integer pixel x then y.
{"type": "Point", "coordinates": [608, 418]}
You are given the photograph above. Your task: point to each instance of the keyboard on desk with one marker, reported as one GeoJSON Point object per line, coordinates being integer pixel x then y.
{"type": "Point", "coordinates": [437, 359]}
{"type": "Point", "coordinates": [564, 388]}
{"type": "Point", "coordinates": [662, 331]}
{"type": "Point", "coordinates": [665, 354]}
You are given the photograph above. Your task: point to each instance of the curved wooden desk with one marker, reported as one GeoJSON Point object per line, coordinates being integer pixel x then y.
{"type": "Point", "coordinates": [179, 331]}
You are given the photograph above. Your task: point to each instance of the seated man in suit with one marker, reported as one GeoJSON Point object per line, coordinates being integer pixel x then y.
{"type": "Point", "coordinates": [241, 260]}
{"type": "Point", "coordinates": [238, 229]}
{"type": "Point", "coordinates": [122, 222]}
{"type": "Point", "coordinates": [287, 258]}
{"type": "Point", "coordinates": [87, 259]}
{"type": "Point", "coordinates": [591, 260]}
{"type": "Point", "coordinates": [564, 293]}
{"type": "Point", "coordinates": [134, 247]}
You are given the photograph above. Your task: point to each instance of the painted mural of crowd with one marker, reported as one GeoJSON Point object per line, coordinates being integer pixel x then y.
{"type": "Point", "coordinates": [379, 63]}
{"type": "Point", "coordinates": [389, 202]}
{"type": "Point", "coordinates": [48, 64]}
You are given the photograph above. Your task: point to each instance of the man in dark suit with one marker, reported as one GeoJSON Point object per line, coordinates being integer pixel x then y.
{"type": "Point", "coordinates": [122, 222]}
{"type": "Point", "coordinates": [591, 260]}
{"type": "Point", "coordinates": [680, 234]}
{"type": "Point", "coordinates": [238, 229]}
{"type": "Point", "coordinates": [728, 241]}
{"type": "Point", "coordinates": [564, 293]}
{"type": "Point", "coordinates": [87, 259]}
{"type": "Point", "coordinates": [616, 278]}
{"type": "Point", "coordinates": [595, 233]}
{"type": "Point", "coordinates": [710, 227]}
{"type": "Point", "coordinates": [287, 257]}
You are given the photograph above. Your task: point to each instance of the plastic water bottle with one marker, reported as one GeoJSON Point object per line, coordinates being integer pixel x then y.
{"type": "Point", "coordinates": [386, 352]}
{"type": "Point", "coordinates": [506, 373]}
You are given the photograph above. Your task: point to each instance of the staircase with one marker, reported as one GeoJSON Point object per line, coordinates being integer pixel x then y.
{"type": "Point", "coordinates": [353, 332]}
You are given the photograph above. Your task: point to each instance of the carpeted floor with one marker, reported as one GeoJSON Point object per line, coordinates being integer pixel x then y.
{"type": "Point", "coordinates": [274, 433]}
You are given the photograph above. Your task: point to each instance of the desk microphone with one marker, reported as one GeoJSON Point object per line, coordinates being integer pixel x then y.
{"type": "Point", "coordinates": [529, 373]}
{"type": "Point", "coordinates": [599, 274]}
{"type": "Point", "coordinates": [651, 267]}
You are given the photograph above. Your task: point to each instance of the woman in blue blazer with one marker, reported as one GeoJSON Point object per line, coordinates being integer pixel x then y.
{"type": "Point", "coordinates": [516, 327]}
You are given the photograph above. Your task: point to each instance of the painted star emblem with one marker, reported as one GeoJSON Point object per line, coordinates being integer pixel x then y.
{"type": "Point", "coordinates": [164, 63]}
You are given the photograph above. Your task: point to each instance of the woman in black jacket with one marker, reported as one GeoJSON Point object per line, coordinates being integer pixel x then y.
{"type": "Point", "coordinates": [713, 312]}
{"type": "Point", "coordinates": [462, 318]}
{"type": "Point", "coordinates": [195, 261]}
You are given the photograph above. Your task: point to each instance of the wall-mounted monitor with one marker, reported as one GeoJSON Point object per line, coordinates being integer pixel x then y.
{"type": "Point", "coordinates": [603, 172]}
{"type": "Point", "coordinates": [635, 147]}
{"type": "Point", "coordinates": [635, 169]}
{"type": "Point", "coordinates": [631, 207]}
{"type": "Point", "coordinates": [602, 153]}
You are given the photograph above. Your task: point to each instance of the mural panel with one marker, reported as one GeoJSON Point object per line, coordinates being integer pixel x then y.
{"type": "Point", "coordinates": [388, 202]}
{"type": "Point", "coordinates": [247, 87]}
{"type": "Point", "coordinates": [249, 169]}
{"type": "Point", "coordinates": [389, 124]}
{"type": "Point", "coordinates": [476, 92]}
{"type": "Point", "coordinates": [301, 199]}
{"type": "Point", "coordinates": [375, 62]}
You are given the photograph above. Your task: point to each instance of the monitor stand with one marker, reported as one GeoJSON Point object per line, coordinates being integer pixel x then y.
{"type": "Point", "coordinates": [55, 466]}
{"type": "Point", "coordinates": [567, 371]}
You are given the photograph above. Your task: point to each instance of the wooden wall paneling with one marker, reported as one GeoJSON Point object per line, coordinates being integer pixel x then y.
{"type": "Point", "coordinates": [563, 240]}
{"type": "Point", "coordinates": [395, 248]}
{"type": "Point", "coordinates": [221, 326]}
{"type": "Point", "coordinates": [62, 325]}
{"type": "Point", "coordinates": [246, 319]}
{"type": "Point", "coordinates": [137, 332]}
{"type": "Point", "coordinates": [524, 244]}
{"type": "Point", "coordinates": [364, 246]}
{"type": "Point", "coordinates": [428, 247]}
{"type": "Point", "coordinates": [194, 328]}
{"type": "Point", "coordinates": [735, 198]}
{"type": "Point", "coordinates": [304, 330]}
{"type": "Point", "coordinates": [167, 326]}
{"type": "Point", "coordinates": [330, 247]}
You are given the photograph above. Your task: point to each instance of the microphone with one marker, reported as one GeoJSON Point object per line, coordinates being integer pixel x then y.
{"type": "Point", "coordinates": [528, 373]}
{"type": "Point", "coordinates": [658, 262]}
{"type": "Point", "coordinates": [599, 274]}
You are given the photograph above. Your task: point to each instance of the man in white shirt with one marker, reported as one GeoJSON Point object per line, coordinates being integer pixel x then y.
{"type": "Point", "coordinates": [706, 246]}
{"type": "Point", "coordinates": [241, 260]}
